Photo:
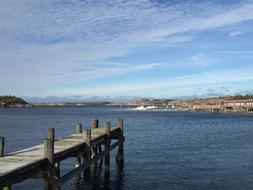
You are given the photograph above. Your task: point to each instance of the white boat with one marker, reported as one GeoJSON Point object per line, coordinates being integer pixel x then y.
{"type": "Point", "coordinates": [151, 107]}
{"type": "Point", "coordinates": [140, 108]}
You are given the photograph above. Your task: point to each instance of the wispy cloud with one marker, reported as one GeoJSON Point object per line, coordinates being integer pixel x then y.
{"type": "Point", "coordinates": [217, 78]}
{"type": "Point", "coordinates": [235, 33]}
{"type": "Point", "coordinates": [57, 42]}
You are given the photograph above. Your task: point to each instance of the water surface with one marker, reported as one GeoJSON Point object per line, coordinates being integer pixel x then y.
{"type": "Point", "coordinates": [163, 150]}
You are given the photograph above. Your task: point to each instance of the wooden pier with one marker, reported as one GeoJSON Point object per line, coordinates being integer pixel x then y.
{"type": "Point", "coordinates": [43, 161]}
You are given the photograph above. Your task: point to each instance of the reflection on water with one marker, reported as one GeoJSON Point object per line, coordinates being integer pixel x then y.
{"type": "Point", "coordinates": [95, 178]}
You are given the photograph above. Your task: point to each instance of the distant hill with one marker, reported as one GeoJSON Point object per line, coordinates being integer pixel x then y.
{"type": "Point", "coordinates": [237, 97]}
{"type": "Point", "coordinates": [72, 104]}
{"type": "Point", "coordinates": [149, 101]}
{"type": "Point", "coordinates": [12, 101]}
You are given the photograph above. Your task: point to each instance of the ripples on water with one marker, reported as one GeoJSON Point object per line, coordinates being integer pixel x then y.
{"type": "Point", "coordinates": [162, 150]}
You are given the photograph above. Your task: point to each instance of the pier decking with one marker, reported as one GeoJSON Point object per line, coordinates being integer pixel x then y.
{"type": "Point", "coordinates": [43, 161]}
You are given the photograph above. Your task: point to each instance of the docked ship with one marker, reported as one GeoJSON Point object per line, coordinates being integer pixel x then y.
{"type": "Point", "coordinates": [154, 108]}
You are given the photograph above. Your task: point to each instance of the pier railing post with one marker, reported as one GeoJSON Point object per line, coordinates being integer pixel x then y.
{"type": "Point", "coordinates": [50, 134]}
{"type": "Point", "coordinates": [2, 146]}
{"type": "Point", "coordinates": [87, 172]}
{"type": "Point", "coordinates": [78, 131]}
{"type": "Point", "coordinates": [78, 128]}
{"type": "Point", "coordinates": [87, 137]}
{"type": "Point", "coordinates": [120, 154]}
{"type": "Point", "coordinates": [94, 125]}
{"type": "Point", "coordinates": [57, 169]}
{"type": "Point", "coordinates": [49, 154]}
{"type": "Point", "coordinates": [107, 148]}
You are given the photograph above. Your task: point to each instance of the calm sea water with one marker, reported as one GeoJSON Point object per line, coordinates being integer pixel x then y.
{"type": "Point", "coordinates": [163, 150]}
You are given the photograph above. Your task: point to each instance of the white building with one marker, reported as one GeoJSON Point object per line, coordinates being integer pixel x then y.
{"type": "Point", "coordinates": [246, 102]}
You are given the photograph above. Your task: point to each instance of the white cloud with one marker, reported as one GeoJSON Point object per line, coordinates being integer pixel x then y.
{"type": "Point", "coordinates": [235, 33]}
{"type": "Point", "coordinates": [218, 78]}
{"type": "Point", "coordinates": [49, 42]}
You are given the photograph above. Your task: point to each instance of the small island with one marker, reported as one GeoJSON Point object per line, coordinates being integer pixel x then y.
{"type": "Point", "coordinates": [12, 101]}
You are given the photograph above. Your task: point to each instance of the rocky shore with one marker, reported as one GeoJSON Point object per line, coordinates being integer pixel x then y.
{"type": "Point", "coordinates": [12, 101]}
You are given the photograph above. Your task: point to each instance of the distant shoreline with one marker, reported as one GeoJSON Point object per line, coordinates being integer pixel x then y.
{"type": "Point", "coordinates": [236, 104]}
{"type": "Point", "coordinates": [123, 108]}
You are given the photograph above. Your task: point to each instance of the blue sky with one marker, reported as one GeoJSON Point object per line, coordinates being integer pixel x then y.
{"type": "Point", "coordinates": [155, 48]}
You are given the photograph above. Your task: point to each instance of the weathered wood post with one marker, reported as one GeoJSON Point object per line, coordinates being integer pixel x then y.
{"type": "Point", "coordinates": [87, 172]}
{"type": "Point", "coordinates": [2, 139]}
{"type": "Point", "coordinates": [78, 131]}
{"type": "Point", "coordinates": [94, 125]}
{"type": "Point", "coordinates": [120, 154]}
{"type": "Point", "coordinates": [87, 137]}
{"type": "Point", "coordinates": [107, 148]}
{"type": "Point", "coordinates": [57, 170]}
{"type": "Point", "coordinates": [49, 154]}
{"type": "Point", "coordinates": [78, 128]}
{"type": "Point", "coordinates": [51, 135]}
{"type": "Point", "coordinates": [107, 155]}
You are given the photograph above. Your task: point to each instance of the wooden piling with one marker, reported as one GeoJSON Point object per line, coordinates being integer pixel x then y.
{"type": "Point", "coordinates": [88, 143]}
{"type": "Point", "coordinates": [94, 125]}
{"type": "Point", "coordinates": [50, 134]}
{"type": "Point", "coordinates": [2, 139]}
{"type": "Point", "coordinates": [94, 148]}
{"type": "Point", "coordinates": [78, 131]}
{"type": "Point", "coordinates": [107, 148]}
{"type": "Point", "coordinates": [120, 154]}
{"type": "Point", "coordinates": [58, 170]}
{"type": "Point", "coordinates": [78, 128]}
{"type": "Point", "coordinates": [78, 161]}
{"type": "Point", "coordinates": [55, 166]}
{"type": "Point", "coordinates": [49, 154]}
{"type": "Point", "coordinates": [78, 164]}
{"type": "Point", "coordinates": [49, 146]}
{"type": "Point", "coordinates": [87, 137]}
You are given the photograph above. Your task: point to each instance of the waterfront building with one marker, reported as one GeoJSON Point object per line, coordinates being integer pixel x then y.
{"type": "Point", "coordinates": [246, 102]}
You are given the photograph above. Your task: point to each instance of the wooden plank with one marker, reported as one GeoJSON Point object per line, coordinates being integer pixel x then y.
{"type": "Point", "coordinates": [36, 152]}
{"type": "Point", "coordinates": [20, 173]}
